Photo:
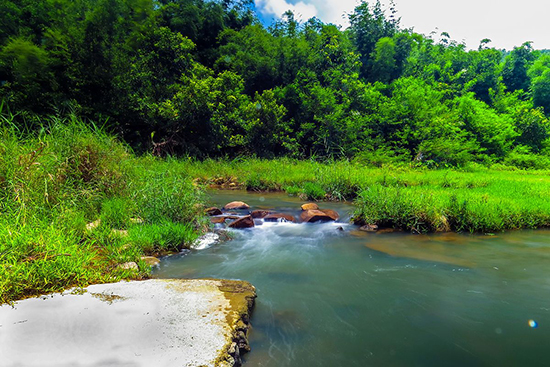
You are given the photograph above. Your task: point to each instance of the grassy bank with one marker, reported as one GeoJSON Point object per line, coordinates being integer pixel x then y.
{"type": "Point", "coordinates": [473, 199]}
{"type": "Point", "coordinates": [75, 204]}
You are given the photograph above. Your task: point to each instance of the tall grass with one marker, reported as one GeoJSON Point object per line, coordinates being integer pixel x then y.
{"type": "Point", "coordinates": [473, 199]}
{"type": "Point", "coordinates": [56, 181]}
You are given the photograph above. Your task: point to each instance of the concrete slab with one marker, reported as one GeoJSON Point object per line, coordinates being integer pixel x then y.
{"type": "Point", "coordinates": [150, 323]}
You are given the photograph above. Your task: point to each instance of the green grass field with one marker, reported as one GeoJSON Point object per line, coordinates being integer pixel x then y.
{"type": "Point", "coordinates": [473, 199]}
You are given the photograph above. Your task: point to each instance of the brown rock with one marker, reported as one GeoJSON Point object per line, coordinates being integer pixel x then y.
{"type": "Point", "coordinates": [310, 206]}
{"type": "Point", "coordinates": [369, 228]}
{"type": "Point", "coordinates": [311, 216]}
{"type": "Point", "coordinates": [213, 211]}
{"type": "Point", "coordinates": [150, 260]}
{"type": "Point", "coordinates": [244, 222]}
{"type": "Point", "coordinates": [223, 218]}
{"type": "Point", "coordinates": [236, 205]}
{"type": "Point", "coordinates": [276, 216]}
{"type": "Point", "coordinates": [217, 220]}
{"type": "Point", "coordinates": [259, 213]}
{"type": "Point", "coordinates": [331, 213]}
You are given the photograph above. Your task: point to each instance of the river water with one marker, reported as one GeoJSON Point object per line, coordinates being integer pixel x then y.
{"type": "Point", "coordinates": [332, 297]}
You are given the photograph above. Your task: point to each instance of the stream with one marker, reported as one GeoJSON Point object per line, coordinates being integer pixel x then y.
{"type": "Point", "coordinates": [333, 297]}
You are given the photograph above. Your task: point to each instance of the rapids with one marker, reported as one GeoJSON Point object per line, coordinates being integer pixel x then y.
{"type": "Point", "coordinates": [331, 297]}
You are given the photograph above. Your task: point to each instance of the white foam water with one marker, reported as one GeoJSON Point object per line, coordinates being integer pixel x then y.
{"type": "Point", "coordinates": [205, 241]}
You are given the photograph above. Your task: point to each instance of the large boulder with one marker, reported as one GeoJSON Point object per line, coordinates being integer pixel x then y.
{"type": "Point", "coordinates": [244, 222]}
{"type": "Point", "coordinates": [275, 217]}
{"type": "Point", "coordinates": [310, 206]}
{"type": "Point", "coordinates": [331, 213]}
{"type": "Point", "coordinates": [259, 213]}
{"type": "Point", "coordinates": [311, 216]}
{"type": "Point", "coordinates": [236, 205]}
{"type": "Point", "coordinates": [213, 211]}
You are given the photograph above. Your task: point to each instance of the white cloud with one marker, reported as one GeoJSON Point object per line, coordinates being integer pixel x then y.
{"type": "Point", "coordinates": [507, 22]}
{"type": "Point", "coordinates": [335, 12]}
{"type": "Point", "coordinates": [301, 10]}
{"type": "Point", "coordinates": [328, 11]}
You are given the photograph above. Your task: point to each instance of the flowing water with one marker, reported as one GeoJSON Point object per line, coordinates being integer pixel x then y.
{"type": "Point", "coordinates": [332, 297]}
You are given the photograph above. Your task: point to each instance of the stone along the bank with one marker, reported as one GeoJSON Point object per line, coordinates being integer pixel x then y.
{"type": "Point", "coordinates": [200, 322]}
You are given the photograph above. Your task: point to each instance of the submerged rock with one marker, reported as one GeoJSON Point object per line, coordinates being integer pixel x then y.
{"type": "Point", "coordinates": [275, 217]}
{"type": "Point", "coordinates": [311, 216]}
{"type": "Point", "coordinates": [213, 211]}
{"type": "Point", "coordinates": [244, 222]}
{"type": "Point", "coordinates": [236, 205]}
{"type": "Point", "coordinates": [310, 206]}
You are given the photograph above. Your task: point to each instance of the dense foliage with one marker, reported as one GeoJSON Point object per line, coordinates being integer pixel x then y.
{"type": "Point", "coordinates": [206, 78]}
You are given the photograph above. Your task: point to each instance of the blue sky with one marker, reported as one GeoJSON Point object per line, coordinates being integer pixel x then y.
{"type": "Point", "coordinates": [507, 23]}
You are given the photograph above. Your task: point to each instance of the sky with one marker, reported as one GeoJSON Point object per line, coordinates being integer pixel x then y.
{"type": "Point", "coordinates": [507, 23]}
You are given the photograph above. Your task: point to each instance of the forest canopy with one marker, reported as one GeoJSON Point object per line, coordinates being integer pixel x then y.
{"type": "Point", "coordinates": [207, 79]}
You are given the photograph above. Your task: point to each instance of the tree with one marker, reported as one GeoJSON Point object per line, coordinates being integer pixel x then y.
{"type": "Point", "coordinates": [368, 25]}
{"type": "Point", "coordinates": [384, 63]}
{"type": "Point", "coordinates": [516, 64]}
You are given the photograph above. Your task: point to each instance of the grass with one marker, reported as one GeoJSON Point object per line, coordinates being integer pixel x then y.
{"type": "Point", "coordinates": [75, 203]}
{"type": "Point", "coordinates": [58, 181]}
{"type": "Point", "coordinates": [472, 199]}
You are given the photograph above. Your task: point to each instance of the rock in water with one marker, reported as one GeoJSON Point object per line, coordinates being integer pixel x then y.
{"type": "Point", "coordinates": [236, 205]}
{"type": "Point", "coordinates": [331, 213]}
{"type": "Point", "coordinates": [276, 216]}
{"type": "Point", "coordinates": [369, 228]}
{"type": "Point", "coordinates": [218, 220]}
{"type": "Point", "coordinates": [213, 211]}
{"type": "Point", "coordinates": [259, 213]}
{"type": "Point", "coordinates": [311, 216]}
{"type": "Point", "coordinates": [244, 222]}
{"type": "Point", "coordinates": [310, 206]}
{"type": "Point", "coordinates": [150, 260]}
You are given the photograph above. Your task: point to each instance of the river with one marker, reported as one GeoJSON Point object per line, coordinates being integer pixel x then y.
{"type": "Point", "coordinates": [333, 297]}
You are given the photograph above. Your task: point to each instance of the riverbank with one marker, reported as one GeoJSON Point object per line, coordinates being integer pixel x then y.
{"type": "Point", "coordinates": [78, 208]}
{"type": "Point", "coordinates": [472, 199]}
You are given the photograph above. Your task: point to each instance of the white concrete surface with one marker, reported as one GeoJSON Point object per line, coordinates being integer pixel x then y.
{"type": "Point", "coordinates": [152, 323]}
